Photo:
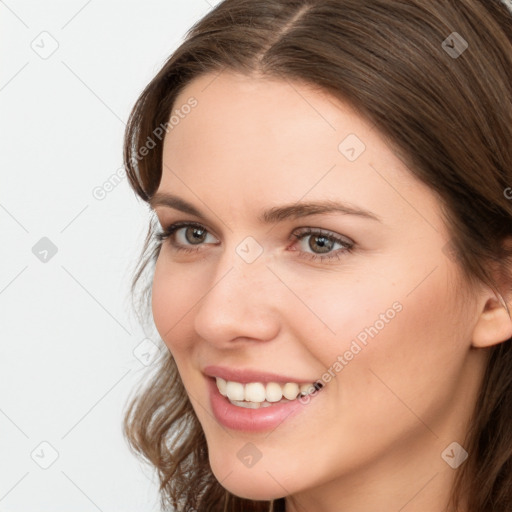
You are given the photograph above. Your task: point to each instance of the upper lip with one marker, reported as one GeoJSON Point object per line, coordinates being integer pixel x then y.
{"type": "Point", "coordinates": [249, 375]}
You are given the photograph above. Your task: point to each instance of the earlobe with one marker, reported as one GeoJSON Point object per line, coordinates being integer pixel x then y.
{"type": "Point", "coordinates": [494, 325]}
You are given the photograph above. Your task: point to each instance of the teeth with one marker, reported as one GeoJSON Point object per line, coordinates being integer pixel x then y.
{"type": "Point", "coordinates": [306, 389]}
{"type": "Point", "coordinates": [257, 394]}
{"type": "Point", "coordinates": [273, 392]}
{"type": "Point", "coordinates": [291, 390]}
{"type": "Point", "coordinates": [247, 405]}
{"type": "Point", "coordinates": [221, 384]}
{"type": "Point", "coordinates": [255, 405]}
{"type": "Point", "coordinates": [235, 390]}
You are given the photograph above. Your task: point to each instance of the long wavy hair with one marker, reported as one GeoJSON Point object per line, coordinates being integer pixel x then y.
{"type": "Point", "coordinates": [447, 115]}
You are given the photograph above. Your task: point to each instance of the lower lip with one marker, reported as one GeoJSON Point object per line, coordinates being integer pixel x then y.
{"type": "Point", "coordinates": [251, 420]}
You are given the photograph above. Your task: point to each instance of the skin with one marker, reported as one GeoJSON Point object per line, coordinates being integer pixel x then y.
{"type": "Point", "coordinates": [372, 439]}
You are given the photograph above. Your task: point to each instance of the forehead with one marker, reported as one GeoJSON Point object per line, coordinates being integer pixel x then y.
{"type": "Point", "coordinates": [264, 116]}
{"type": "Point", "coordinates": [255, 138]}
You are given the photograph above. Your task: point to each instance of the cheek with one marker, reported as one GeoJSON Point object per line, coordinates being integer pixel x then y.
{"type": "Point", "coordinates": [344, 308]}
{"type": "Point", "coordinates": [416, 358]}
{"type": "Point", "coordinates": [172, 300]}
{"type": "Point", "coordinates": [160, 300]}
{"type": "Point", "coordinates": [389, 327]}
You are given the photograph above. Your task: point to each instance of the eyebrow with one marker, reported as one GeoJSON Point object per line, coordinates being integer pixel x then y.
{"type": "Point", "coordinates": [272, 215]}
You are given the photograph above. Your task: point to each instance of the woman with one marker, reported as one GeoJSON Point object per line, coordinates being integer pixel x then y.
{"type": "Point", "coordinates": [331, 271]}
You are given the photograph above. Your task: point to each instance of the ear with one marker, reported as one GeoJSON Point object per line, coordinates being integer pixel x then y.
{"type": "Point", "coordinates": [494, 324]}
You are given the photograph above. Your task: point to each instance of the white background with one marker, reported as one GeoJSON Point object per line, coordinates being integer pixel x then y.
{"type": "Point", "coordinates": [67, 330]}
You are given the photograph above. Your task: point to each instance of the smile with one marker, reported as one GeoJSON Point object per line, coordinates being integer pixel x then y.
{"type": "Point", "coordinates": [254, 395]}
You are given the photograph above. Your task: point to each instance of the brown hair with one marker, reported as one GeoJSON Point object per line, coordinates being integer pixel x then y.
{"type": "Point", "coordinates": [447, 116]}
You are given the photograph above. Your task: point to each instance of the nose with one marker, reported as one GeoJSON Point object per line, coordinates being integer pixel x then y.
{"type": "Point", "coordinates": [241, 303]}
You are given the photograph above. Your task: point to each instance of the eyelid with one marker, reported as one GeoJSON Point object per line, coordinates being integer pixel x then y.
{"type": "Point", "coordinates": [302, 231]}
{"type": "Point", "coordinates": [168, 231]}
{"type": "Point", "coordinates": [299, 233]}
{"type": "Point", "coordinates": [164, 224]}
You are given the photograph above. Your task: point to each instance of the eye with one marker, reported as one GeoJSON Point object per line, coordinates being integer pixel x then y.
{"type": "Point", "coordinates": [322, 243]}
{"type": "Point", "coordinates": [184, 236]}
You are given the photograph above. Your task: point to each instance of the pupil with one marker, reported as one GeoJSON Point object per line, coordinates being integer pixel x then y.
{"type": "Point", "coordinates": [324, 243]}
{"type": "Point", "coordinates": [198, 235]}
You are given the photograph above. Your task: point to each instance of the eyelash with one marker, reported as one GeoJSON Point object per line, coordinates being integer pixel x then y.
{"type": "Point", "coordinates": [168, 232]}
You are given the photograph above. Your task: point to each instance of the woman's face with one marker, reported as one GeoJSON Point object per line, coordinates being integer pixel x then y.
{"type": "Point", "coordinates": [266, 287]}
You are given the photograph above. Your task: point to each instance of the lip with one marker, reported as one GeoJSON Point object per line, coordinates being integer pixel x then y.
{"type": "Point", "coordinates": [253, 420]}
{"type": "Point", "coordinates": [245, 376]}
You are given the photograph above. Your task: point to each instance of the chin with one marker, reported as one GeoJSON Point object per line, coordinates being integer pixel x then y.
{"type": "Point", "coordinates": [248, 483]}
